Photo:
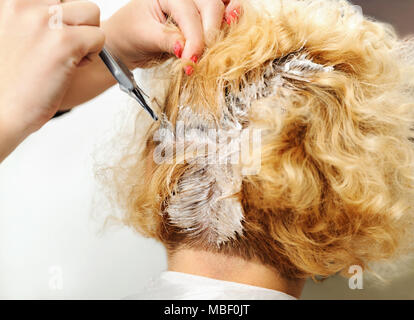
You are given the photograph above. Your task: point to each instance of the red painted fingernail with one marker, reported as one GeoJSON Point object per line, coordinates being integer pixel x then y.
{"type": "Point", "coordinates": [233, 16]}
{"type": "Point", "coordinates": [194, 58]}
{"type": "Point", "coordinates": [178, 49]}
{"type": "Point", "coordinates": [189, 70]}
{"type": "Point", "coordinates": [228, 20]}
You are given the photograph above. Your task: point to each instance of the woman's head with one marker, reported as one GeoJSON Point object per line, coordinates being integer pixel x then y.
{"type": "Point", "coordinates": [326, 97]}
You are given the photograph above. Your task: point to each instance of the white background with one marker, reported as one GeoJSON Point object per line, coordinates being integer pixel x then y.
{"type": "Point", "coordinates": [50, 244]}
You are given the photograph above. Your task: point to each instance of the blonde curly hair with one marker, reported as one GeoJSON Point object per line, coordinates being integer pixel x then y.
{"type": "Point", "coordinates": [332, 93]}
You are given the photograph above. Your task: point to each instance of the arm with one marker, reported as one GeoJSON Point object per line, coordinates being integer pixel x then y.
{"type": "Point", "coordinates": [30, 93]}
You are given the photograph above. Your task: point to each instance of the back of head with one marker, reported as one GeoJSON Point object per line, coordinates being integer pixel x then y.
{"type": "Point", "coordinates": [331, 96]}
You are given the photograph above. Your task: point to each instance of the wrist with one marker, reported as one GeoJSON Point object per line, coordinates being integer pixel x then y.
{"type": "Point", "coordinates": [116, 44]}
{"type": "Point", "coordinates": [12, 133]}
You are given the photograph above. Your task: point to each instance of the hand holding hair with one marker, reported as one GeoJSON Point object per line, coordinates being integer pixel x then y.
{"type": "Point", "coordinates": [139, 32]}
{"type": "Point", "coordinates": [142, 34]}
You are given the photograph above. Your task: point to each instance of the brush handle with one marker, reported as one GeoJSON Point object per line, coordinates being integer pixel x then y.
{"type": "Point", "coordinates": [119, 71]}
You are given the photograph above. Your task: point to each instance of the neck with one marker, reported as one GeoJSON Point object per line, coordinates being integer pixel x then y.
{"type": "Point", "coordinates": [234, 269]}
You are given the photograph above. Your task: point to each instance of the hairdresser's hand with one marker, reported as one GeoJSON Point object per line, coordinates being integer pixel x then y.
{"type": "Point", "coordinates": [138, 34]}
{"type": "Point", "coordinates": [38, 56]}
